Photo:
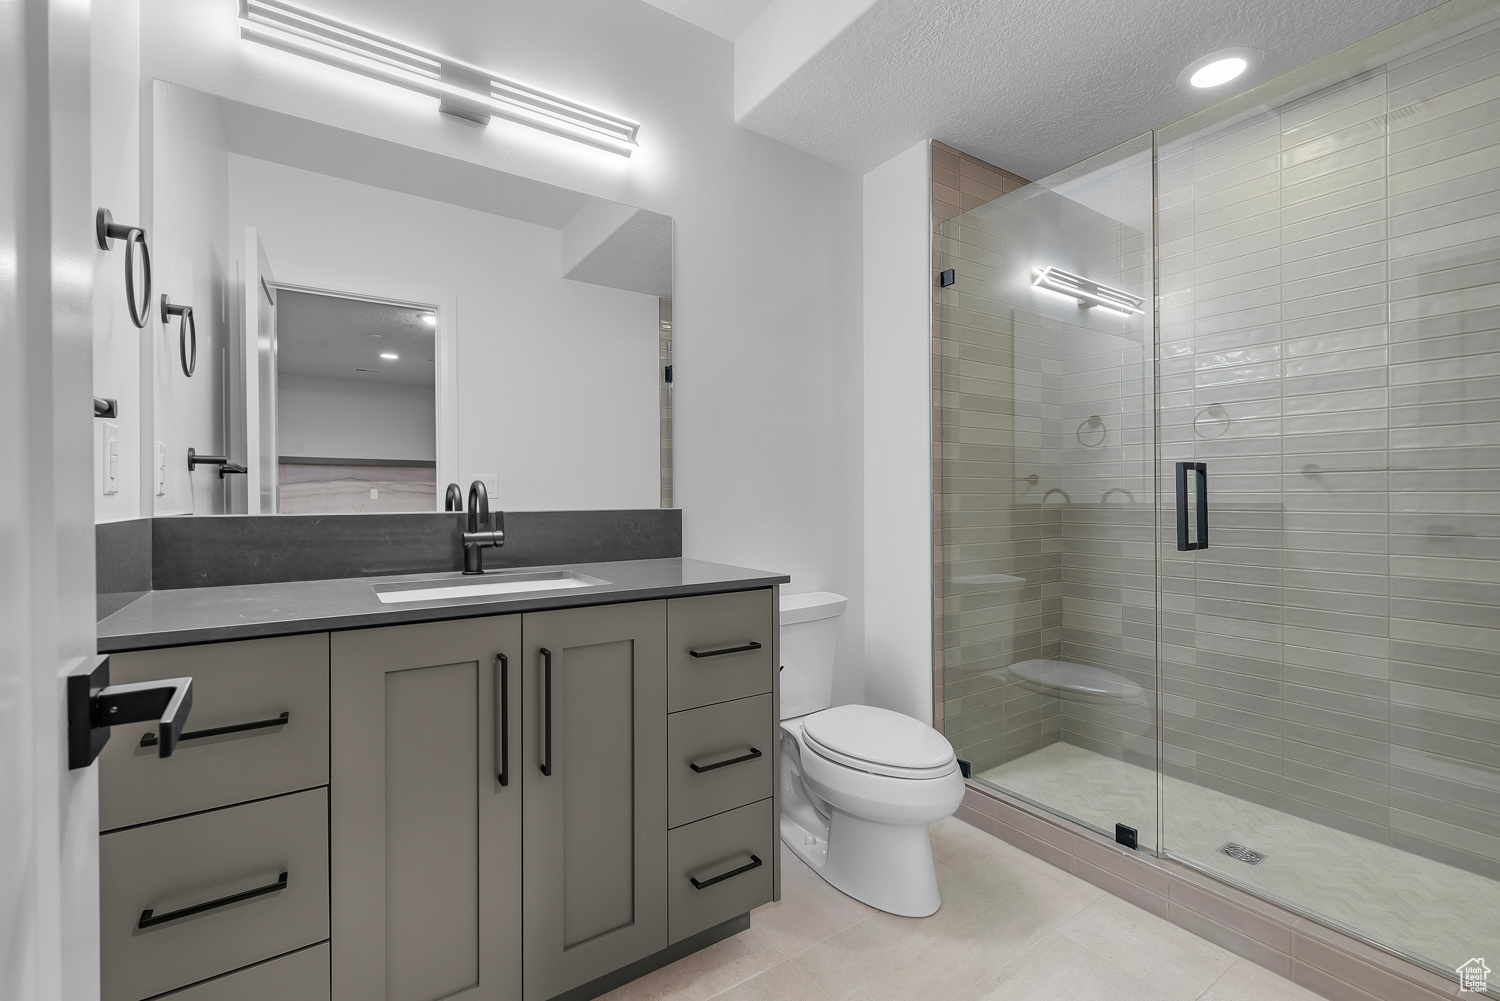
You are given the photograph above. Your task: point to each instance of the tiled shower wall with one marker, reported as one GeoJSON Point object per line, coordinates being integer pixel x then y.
{"type": "Point", "coordinates": [1330, 341]}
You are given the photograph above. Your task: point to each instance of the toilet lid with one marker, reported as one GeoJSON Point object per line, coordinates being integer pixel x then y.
{"type": "Point", "coordinates": [877, 737]}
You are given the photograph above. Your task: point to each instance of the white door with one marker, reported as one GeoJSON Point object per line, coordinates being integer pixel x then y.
{"type": "Point", "coordinates": [49, 816]}
{"type": "Point", "coordinates": [255, 428]}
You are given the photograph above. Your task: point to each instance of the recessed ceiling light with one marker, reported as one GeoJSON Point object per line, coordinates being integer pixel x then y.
{"type": "Point", "coordinates": [389, 355]}
{"type": "Point", "coordinates": [430, 319]}
{"type": "Point", "coordinates": [1217, 68]}
{"type": "Point", "coordinates": [374, 335]}
{"type": "Point", "coordinates": [1218, 72]}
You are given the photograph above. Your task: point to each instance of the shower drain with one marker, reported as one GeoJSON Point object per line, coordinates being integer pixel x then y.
{"type": "Point", "coordinates": [1249, 855]}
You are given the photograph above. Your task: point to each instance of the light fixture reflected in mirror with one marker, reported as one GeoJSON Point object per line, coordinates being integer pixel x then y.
{"type": "Point", "coordinates": [1088, 293]}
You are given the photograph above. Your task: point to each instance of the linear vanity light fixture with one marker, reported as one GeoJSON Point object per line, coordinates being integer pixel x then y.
{"type": "Point", "coordinates": [1088, 292]}
{"type": "Point", "coordinates": [463, 90]}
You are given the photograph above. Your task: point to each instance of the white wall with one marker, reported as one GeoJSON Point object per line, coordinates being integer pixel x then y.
{"type": "Point", "coordinates": [766, 292]}
{"type": "Point", "coordinates": [556, 384]}
{"type": "Point", "coordinates": [190, 244]}
{"type": "Point", "coordinates": [898, 446]}
{"type": "Point", "coordinates": [116, 183]}
{"type": "Point", "coordinates": [348, 419]}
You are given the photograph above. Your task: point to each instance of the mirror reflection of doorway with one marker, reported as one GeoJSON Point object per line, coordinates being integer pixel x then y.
{"type": "Point", "coordinates": [356, 407]}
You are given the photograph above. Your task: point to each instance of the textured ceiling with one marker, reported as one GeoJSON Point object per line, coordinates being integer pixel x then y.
{"type": "Point", "coordinates": [1035, 87]}
{"type": "Point", "coordinates": [725, 18]}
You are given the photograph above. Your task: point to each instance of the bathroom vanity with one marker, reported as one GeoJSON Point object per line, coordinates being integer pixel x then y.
{"type": "Point", "coordinates": [531, 795]}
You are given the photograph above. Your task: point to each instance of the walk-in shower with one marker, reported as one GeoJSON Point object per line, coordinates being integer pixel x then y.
{"type": "Point", "coordinates": [1309, 704]}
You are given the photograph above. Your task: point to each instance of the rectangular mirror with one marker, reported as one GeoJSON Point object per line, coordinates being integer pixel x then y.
{"type": "Point", "coordinates": [371, 322]}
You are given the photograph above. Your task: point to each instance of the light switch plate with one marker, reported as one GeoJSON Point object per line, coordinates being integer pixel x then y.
{"type": "Point", "coordinates": [491, 483]}
{"type": "Point", "coordinates": [110, 454]}
{"type": "Point", "coordinates": [161, 469]}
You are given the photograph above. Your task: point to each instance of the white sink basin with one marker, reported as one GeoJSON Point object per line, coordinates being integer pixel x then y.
{"type": "Point", "coordinates": [490, 584]}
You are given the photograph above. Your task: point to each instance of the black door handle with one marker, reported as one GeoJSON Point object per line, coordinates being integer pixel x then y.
{"type": "Point", "coordinates": [721, 651]}
{"type": "Point", "coordinates": [149, 919]}
{"type": "Point", "coordinates": [149, 739]}
{"type": "Point", "coordinates": [502, 725]}
{"type": "Point", "coordinates": [750, 755]}
{"type": "Point", "coordinates": [1200, 483]}
{"type": "Point", "coordinates": [94, 705]}
{"type": "Point", "coordinates": [754, 863]}
{"type": "Point", "coordinates": [546, 711]}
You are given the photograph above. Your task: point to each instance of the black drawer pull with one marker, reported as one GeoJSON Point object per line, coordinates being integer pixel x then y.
{"type": "Point", "coordinates": [754, 863]}
{"type": "Point", "coordinates": [721, 651]}
{"type": "Point", "coordinates": [149, 739]}
{"type": "Point", "coordinates": [149, 919]}
{"type": "Point", "coordinates": [749, 755]}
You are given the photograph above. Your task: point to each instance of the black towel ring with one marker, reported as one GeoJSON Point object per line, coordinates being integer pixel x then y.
{"type": "Point", "coordinates": [187, 330]}
{"type": "Point", "coordinates": [106, 232]}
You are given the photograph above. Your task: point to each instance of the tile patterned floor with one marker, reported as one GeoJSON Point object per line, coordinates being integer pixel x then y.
{"type": "Point", "coordinates": [1417, 905]}
{"type": "Point", "coordinates": [1011, 928]}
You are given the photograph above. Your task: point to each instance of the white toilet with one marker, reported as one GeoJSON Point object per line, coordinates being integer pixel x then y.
{"type": "Point", "coordinates": [859, 785]}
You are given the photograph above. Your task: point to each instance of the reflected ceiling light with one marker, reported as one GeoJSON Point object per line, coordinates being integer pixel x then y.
{"type": "Point", "coordinates": [462, 90]}
{"type": "Point", "coordinates": [388, 356]}
{"type": "Point", "coordinates": [1090, 293]}
{"type": "Point", "coordinates": [430, 319]}
{"type": "Point", "coordinates": [1217, 68]}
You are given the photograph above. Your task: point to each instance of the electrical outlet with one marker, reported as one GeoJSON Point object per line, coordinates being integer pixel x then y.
{"type": "Point", "coordinates": [161, 469]}
{"type": "Point", "coordinates": [111, 456]}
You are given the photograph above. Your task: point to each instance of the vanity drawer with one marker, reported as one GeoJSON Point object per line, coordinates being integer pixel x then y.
{"type": "Point", "coordinates": [730, 858]}
{"type": "Point", "coordinates": [301, 976]}
{"type": "Point", "coordinates": [250, 682]}
{"type": "Point", "coordinates": [732, 745]}
{"type": "Point", "coordinates": [207, 858]}
{"type": "Point", "coordinates": [719, 647]}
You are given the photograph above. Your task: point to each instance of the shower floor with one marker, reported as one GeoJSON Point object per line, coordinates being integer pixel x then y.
{"type": "Point", "coordinates": [1418, 906]}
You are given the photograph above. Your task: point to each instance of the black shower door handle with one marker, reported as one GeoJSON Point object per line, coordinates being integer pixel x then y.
{"type": "Point", "coordinates": [1200, 481]}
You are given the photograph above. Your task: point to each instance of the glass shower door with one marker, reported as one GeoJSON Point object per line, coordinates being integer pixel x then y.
{"type": "Point", "coordinates": [1330, 351]}
{"type": "Point", "coordinates": [1048, 594]}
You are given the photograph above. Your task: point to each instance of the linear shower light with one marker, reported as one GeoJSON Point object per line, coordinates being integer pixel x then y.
{"type": "Point", "coordinates": [1088, 292]}
{"type": "Point", "coordinates": [463, 90]}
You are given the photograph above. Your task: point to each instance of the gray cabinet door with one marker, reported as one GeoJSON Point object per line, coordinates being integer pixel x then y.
{"type": "Point", "coordinates": [425, 840]}
{"type": "Point", "coordinates": [595, 779]}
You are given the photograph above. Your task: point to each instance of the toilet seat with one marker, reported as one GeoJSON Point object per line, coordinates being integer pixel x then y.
{"type": "Point", "coordinates": [878, 741]}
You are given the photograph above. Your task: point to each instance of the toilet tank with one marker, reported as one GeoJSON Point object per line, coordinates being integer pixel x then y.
{"type": "Point", "coordinates": [809, 634]}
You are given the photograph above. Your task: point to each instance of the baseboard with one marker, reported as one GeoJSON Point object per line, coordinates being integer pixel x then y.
{"type": "Point", "coordinates": [666, 957]}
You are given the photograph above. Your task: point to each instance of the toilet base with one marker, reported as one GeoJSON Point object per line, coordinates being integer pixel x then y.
{"type": "Point", "coordinates": [886, 866]}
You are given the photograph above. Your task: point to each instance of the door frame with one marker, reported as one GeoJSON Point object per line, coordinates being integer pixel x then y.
{"type": "Point", "coordinates": [445, 340]}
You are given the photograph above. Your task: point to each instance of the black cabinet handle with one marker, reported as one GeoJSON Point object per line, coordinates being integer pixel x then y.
{"type": "Point", "coordinates": [1200, 483]}
{"type": "Point", "coordinates": [106, 232]}
{"type": "Point", "coordinates": [150, 919]}
{"type": "Point", "coordinates": [149, 739]}
{"type": "Point", "coordinates": [749, 755]}
{"type": "Point", "coordinates": [546, 711]}
{"type": "Point", "coordinates": [754, 863]}
{"type": "Point", "coordinates": [502, 725]}
{"type": "Point", "coordinates": [721, 651]}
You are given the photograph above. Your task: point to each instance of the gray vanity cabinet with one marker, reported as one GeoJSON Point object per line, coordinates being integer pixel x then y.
{"type": "Point", "coordinates": [426, 866]}
{"type": "Point", "coordinates": [595, 764]}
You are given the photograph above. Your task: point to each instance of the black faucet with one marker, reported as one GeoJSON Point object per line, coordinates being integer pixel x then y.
{"type": "Point", "coordinates": [455, 499]}
{"type": "Point", "coordinates": [484, 531]}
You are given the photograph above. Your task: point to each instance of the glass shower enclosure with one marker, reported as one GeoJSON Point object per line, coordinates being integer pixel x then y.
{"type": "Point", "coordinates": [1219, 489]}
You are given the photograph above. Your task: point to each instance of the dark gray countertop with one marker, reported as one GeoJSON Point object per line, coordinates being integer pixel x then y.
{"type": "Point", "coordinates": [212, 614]}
